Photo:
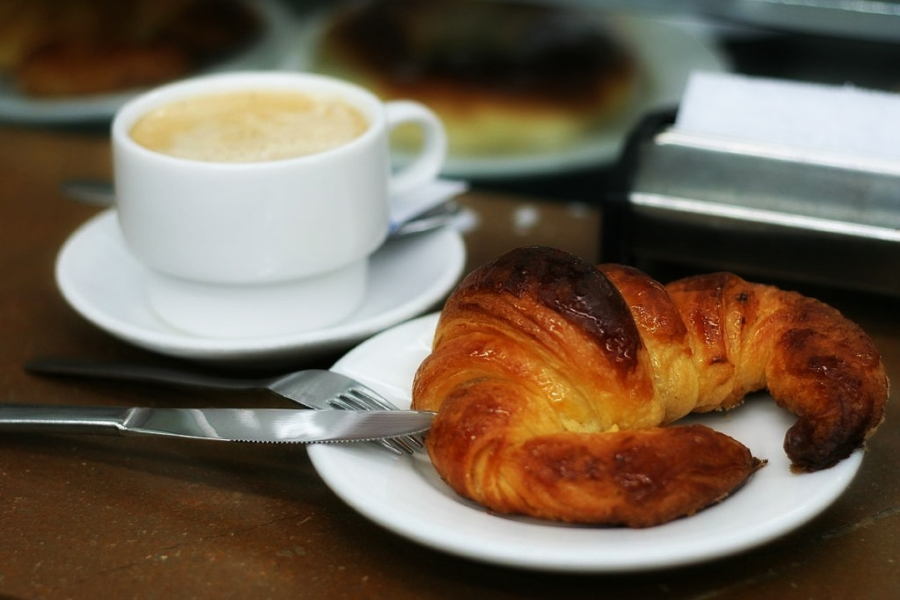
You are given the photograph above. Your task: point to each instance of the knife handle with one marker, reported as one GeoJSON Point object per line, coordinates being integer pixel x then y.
{"type": "Point", "coordinates": [47, 418]}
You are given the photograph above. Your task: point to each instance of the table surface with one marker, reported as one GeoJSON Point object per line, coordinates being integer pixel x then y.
{"type": "Point", "coordinates": [127, 517]}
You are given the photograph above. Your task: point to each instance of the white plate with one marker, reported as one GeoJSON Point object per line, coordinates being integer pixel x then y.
{"type": "Point", "coordinates": [667, 55]}
{"type": "Point", "coordinates": [406, 496]}
{"type": "Point", "coordinates": [100, 279]}
{"type": "Point", "coordinates": [266, 53]}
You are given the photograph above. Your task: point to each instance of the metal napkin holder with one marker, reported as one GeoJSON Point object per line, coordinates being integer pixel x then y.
{"type": "Point", "coordinates": [771, 213]}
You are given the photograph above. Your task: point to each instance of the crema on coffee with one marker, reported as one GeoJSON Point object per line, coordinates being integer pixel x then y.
{"type": "Point", "coordinates": [248, 126]}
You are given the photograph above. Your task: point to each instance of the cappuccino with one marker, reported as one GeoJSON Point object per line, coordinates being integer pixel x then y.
{"type": "Point", "coordinates": [248, 126]}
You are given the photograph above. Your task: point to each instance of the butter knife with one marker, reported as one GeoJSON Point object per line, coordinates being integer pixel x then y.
{"type": "Point", "coordinates": [284, 425]}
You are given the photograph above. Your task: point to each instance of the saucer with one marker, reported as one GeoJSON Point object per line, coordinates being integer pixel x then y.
{"type": "Point", "coordinates": [101, 280]}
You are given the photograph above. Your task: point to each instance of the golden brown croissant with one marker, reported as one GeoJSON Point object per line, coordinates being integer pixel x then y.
{"type": "Point", "coordinates": [553, 380]}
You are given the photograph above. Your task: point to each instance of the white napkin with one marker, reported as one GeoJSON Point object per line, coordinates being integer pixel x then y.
{"type": "Point", "coordinates": [417, 201]}
{"type": "Point", "coordinates": [834, 120]}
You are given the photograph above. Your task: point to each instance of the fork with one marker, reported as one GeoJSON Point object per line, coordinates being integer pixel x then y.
{"type": "Point", "coordinates": [318, 389]}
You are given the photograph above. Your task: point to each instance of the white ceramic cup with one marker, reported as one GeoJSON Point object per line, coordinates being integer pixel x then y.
{"type": "Point", "coordinates": [264, 248]}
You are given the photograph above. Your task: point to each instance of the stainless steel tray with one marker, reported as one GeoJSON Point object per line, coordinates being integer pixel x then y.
{"type": "Point", "coordinates": [872, 20]}
{"type": "Point", "coordinates": [764, 211]}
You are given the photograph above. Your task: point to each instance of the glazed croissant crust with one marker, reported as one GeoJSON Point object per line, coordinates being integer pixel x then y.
{"type": "Point", "coordinates": [555, 380]}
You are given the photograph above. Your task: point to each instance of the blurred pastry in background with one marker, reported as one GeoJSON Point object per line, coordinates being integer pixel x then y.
{"type": "Point", "coordinates": [53, 48]}
{"type": "Point", "coordinates": [504, 77]}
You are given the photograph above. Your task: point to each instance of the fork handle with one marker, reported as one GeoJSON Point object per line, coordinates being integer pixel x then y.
{"type": "Point", "coordinates": [123, 371]}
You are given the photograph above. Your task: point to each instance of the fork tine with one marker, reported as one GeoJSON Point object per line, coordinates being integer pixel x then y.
{"type": "Point", "coordinates": [350, 401]}
{"type": "Point", "coordinates": [393, 446]}
{"type": "Point", "coordinates": [409, 444]}
{"type": "Point", "coordinates": [345, 402]}
{"type": "Point", "coordinates": [370, 398]}
{"type": "Point", "coordinates": [320, 388]}
{"type": "Point", "coordinates": [374, 401]}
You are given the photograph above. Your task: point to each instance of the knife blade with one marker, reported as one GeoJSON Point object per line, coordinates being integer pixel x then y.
{"type": "Point", "coordinates": [284, 425]}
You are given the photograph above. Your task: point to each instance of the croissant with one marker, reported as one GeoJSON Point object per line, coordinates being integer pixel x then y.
{"type": "Point", "coordinates": [554, 382]}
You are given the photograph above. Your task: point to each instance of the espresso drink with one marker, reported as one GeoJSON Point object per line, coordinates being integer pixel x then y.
{"type": "Point", "coordinates": [248, 126]}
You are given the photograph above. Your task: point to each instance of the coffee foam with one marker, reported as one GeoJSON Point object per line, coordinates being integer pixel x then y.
{"type": "Point", "coordinates": [249, 126]}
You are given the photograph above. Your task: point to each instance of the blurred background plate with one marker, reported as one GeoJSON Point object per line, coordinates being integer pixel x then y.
{"type": "Point", "coordinates": [666, 53]}
{"type": "Point", "coordinates": [266, 52]}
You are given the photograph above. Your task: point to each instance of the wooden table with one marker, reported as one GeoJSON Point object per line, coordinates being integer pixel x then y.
{"type": "Point", "coordinates": [85, 517]}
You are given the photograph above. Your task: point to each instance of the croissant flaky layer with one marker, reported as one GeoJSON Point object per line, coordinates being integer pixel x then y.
{"type": "Point", "coordinates": [556, 381]}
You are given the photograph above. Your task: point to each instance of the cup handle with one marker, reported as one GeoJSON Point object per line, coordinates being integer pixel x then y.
{"type": "Point", "coordinates": [426, 165]}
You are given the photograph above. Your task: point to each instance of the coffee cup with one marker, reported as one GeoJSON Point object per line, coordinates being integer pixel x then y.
{"type": "Point", "coordinates": [255, 199]}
